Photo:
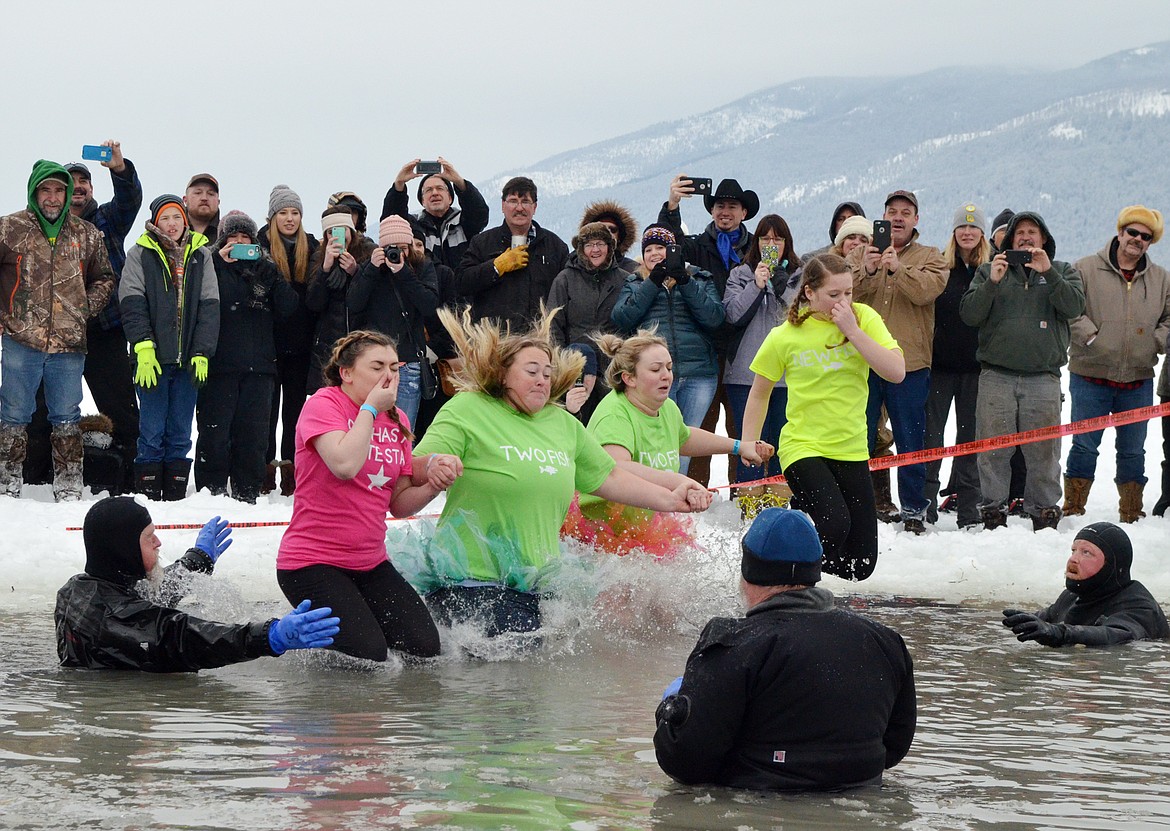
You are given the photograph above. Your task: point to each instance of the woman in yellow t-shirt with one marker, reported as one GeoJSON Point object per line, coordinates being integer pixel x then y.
{"type": "Point", "coordinates": [825, 351]}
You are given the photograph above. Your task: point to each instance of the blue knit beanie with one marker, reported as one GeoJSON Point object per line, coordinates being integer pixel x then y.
{"type": "Point", "coordinates": [781, 548]}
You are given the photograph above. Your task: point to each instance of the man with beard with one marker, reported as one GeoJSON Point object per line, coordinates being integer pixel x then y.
{"type": "Point", "coordinates": [901, 284]}
{"type": "Point", "coordinates": [104, 622]}
{"type": "Point", "coordinates": [1101, 604]}
{"type": "Point", "coordinates": [202, 204]}
{"type": "Point", "coordinates": [54, 275]}
{"type": "Point", "coordinates": [448, 229]}
{"type": "Point", "coordinates": [507, 271]}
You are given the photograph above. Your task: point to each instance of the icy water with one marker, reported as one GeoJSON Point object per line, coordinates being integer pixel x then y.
{"type": "Point", "coordinates": [1010, 735]}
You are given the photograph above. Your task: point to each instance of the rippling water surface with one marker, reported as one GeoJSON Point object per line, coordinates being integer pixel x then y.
{"type": "Point", "coordinates": [1010, 735]}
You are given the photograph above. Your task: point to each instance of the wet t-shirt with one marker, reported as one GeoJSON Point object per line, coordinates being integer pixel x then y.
{"type": "Point", "coordinates": [828, 386]}
{"type": "Point", "coordinates": [501, 519]}
{"type": "Point", "coordinates": [653, 441]}
{"type": "Point", "coordinates": [335, 521]}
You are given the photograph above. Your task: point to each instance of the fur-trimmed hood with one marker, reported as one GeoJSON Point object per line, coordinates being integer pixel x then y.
{"type": "Point", "coordinates": [627, 225]}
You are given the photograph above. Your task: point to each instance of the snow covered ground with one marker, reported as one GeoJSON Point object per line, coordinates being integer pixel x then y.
{"type": "Point", "coordinates": [1010, 565]}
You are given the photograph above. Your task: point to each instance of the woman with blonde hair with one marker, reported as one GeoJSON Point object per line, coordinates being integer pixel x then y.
{"type": "Point", "coordinates": [354, 461]}
{"type": "Point", "coordinates": [496, 543]}
{"type": "Point", "coordinates": [642, 429]}
{"type": "Point", "coordinates": [954, 370]}
{"type": "Point", "coordinates": [824, 351]}
{"type": "Point", "coordinates": [290, 248]}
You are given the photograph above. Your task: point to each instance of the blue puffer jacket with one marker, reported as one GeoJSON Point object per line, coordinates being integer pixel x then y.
{"type": "Point", "coordinates": [687, 316]}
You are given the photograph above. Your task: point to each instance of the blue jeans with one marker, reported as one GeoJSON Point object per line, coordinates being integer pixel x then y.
{"type": "Point", "coordinates": [693, 396]}
{"type": "Point", "coordinates": [165, 414]}
{"type": "Point", "coordinates": [906, 406]}
{"type": "Point", "coordinates": [774, 421]}
{"type": "Point", "coordinates": [1091, 400]}
{"type": "Point", "coordinates": [409, 391]}
{"type": "Point", "coordinates": [22, 369]}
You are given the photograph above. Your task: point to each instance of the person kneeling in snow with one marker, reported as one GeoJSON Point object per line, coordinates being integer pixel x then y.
{"type": "Point", "coordinates": [104, 622]}
{"type": "Point", "coordinates": [796, 695]}
{"type": "Point", "coordinates": [1101, 604]}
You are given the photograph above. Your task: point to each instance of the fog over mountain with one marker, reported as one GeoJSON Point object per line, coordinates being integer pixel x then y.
{"type": "Point", "coordinates": [1076, 145]}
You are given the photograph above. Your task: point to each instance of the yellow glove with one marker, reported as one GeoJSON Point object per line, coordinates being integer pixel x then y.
{"type": "Point", "coordinates": [147, 372]}
{"type": "Point", "coordinates": [513, 259]}
{"type": "Point", "coordinates": [199, 364]}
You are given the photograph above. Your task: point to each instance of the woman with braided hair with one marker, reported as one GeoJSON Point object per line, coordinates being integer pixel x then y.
{"type": "Point", "coordinates": [353, 461]}
{"type": "Point", "coordinates": [825, 351]}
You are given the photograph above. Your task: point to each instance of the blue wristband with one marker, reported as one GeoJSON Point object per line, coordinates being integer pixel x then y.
{"type": "Point", "coordinates": [735, 448]}
{"type": "Point", "coordinates": [369, 408]}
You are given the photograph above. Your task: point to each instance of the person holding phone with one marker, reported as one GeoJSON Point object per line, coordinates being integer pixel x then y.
{"type": "Point", "coordinates": [290, 247]}
{"type": "Point", "coordinates": [825, 351]}
{"type": "Point", "coordinates": [332, 270]}
{"type": "Point", "coordinates": [232, 441]}
{"type": "Point", "coordinates": [169, 299]}
{"type": "Point", "coordinates": [1023, 314]}
{"type": "Point", "coordinates": [682, 303]}
{"type": "Point", "coordinates": [901, 281]}
{"type": "Point", "coordinates": [448, 230]}
{"type": "Point", "coordinates": [395, 297]}
{"type": "Point", "coordinates": [756, 301]}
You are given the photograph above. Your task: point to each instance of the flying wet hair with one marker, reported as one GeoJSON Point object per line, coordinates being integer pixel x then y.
{"type": "Point", "coordinates": [625, 352]}
{"type": "Point", "coordinates": [816, 271]}
{"type": "Point", "coordinates": [489, 351]}
{"type": "Point", "coordinates": [346, 352]}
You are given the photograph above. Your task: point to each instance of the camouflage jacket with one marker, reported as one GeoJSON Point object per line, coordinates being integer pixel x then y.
{"type": "Point", "coordinates": [47, 293]}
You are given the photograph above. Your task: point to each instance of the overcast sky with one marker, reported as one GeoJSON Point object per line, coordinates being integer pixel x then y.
{"type": "Point", "coordinates": [331, 96]}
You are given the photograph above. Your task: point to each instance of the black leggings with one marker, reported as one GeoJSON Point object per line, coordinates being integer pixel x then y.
{"type": "Point", "coordinates": [378, 609]}
{"type": "Point", "coordinates": [496, 608]}
{"type": "Point", "coordinates": [839, 498]}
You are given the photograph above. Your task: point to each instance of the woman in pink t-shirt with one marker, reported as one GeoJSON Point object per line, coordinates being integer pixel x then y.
{"type": "Point", "coordinates": [353, 462]}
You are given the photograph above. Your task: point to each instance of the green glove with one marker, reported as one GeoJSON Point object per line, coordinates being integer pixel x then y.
{"type": "Point", "coordinates": [147, 372]}
{"type": "Point", "coordinates": [199, 364]}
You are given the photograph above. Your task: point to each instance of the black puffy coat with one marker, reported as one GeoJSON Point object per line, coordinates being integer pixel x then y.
{"type": "Point", "coordinates": [587, 297]}
{"type": "Point", "coordinates": [955, 342]}
{"type": "Point", "coordinates": [397, 305]}
{"type": "Point", "coordinates": [102, 624]}
{"type": "Point", "coordinates": [246, 340]}
{"type": "Point", "coordinates": [293, 335]}
{"type": "Point", "coordinates": [795, 696]}
{"type": "Point", "coordinates": [513, 298]}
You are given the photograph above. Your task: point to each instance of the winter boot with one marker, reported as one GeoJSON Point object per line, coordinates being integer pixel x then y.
{"type": "Point", "coordinates": [1076, 493]}
{"type": "Point", "coordinates": [269, 478]}
{"type": "Point", "coordinates": [882, 498]}
{"type": "Point", "coordinates": [13, 449]}
{"type": "Point", "coordinates": [993, 517]}
{"type": "Point", "coordinates": [148, 477]}
{"type": "Point", "coordinates": [1164, 500]}
{"type": "Point", "coordinates": [1047, 518]}
{"type": "Point", "coordinates": [68, 460]}
{"type": "Point", "coordinates": [174, 479]}
{"type": "Point", "coordinates": [1130, 505]}
{"type": "Point", "coordinates": [288, 478]}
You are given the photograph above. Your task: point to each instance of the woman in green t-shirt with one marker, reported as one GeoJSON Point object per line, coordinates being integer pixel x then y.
{"type": "Point", "coordinates": [642, 428]}
{"type": "Point", "coordinates": [496, 541]}
{"type": "Point", "coordinates": [824, 351]}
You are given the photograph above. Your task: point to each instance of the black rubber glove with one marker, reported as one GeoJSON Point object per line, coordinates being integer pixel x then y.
{"type": "Point", "coordinates": [1027, 627]}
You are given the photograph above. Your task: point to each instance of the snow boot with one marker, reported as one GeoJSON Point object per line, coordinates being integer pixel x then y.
{"type": "Point", "coordinates": [1130, 504]}
{"type": "Point", "coordinates": [883, 500]}
{"type": "Point", "coordinates": [68, 462]}
{"type": "Point", "coordinates": [1076, 493]}
{"type": "Point", "coordinates": [174, 480]}
{"type": "Point", "coordinates": [148, 478]}
{"type": "Point", "coordinates": [1164, 500]}
{"type": "Point", "coordinates": [13, 449]}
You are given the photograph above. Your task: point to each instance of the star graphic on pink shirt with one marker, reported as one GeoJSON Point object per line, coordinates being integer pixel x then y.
{"type": "Point", "coordinates": [379, 479]}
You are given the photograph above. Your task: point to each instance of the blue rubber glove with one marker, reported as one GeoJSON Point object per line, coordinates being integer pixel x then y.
{"type": "Point", "coordinates": [672, 688]}
{"type": "Point", "coordinates": [214, 537]}
{"type": "Point", "coordinates": [303, 628]}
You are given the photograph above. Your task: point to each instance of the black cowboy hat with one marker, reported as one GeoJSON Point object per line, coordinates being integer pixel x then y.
{"type": "Point", "coordinates": [730, 189]}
